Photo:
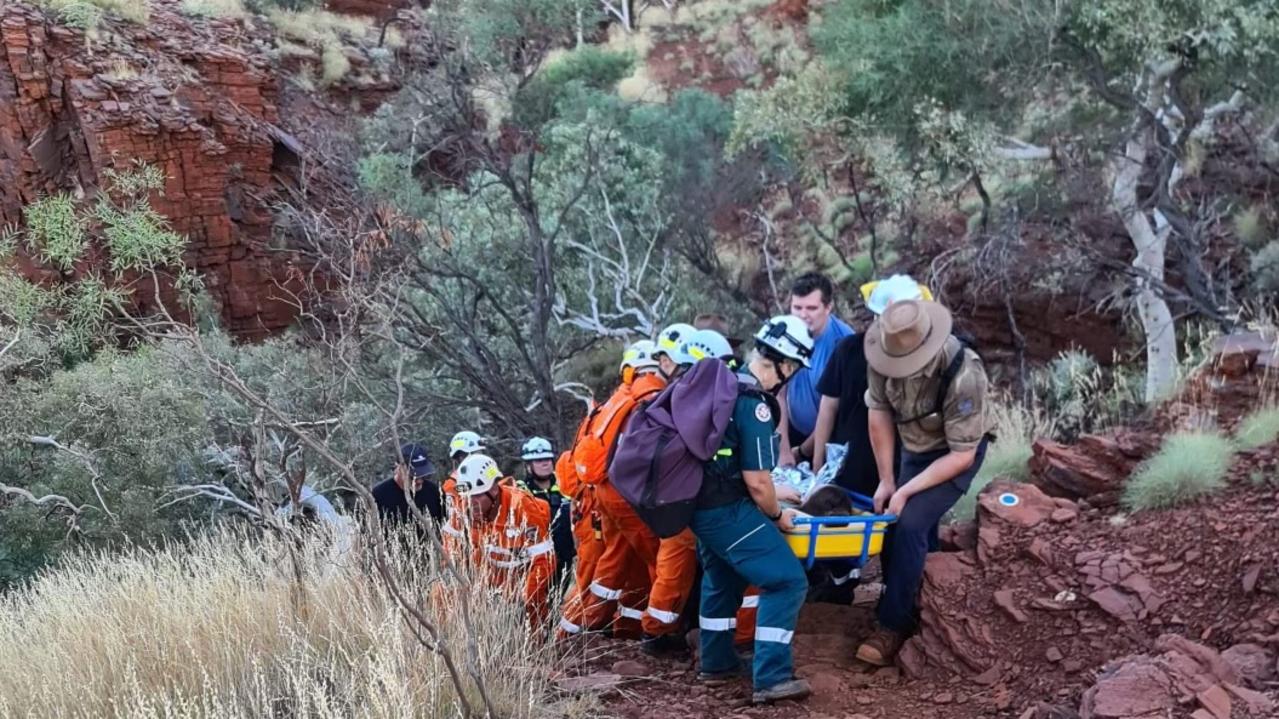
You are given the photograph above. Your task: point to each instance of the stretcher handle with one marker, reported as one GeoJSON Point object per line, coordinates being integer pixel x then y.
{"type": "Point", "coordinates": [870, 528]}
{"type": "Point", "coordinates": [850, 519]}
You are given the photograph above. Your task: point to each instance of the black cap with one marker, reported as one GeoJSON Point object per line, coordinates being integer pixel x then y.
{"type": "Point", "coordinates": [414, 455]}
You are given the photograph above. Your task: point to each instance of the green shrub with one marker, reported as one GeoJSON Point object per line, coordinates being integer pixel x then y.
{"type": "Point", "coordinates": [1259, 428]}
{"type": "Point", "coordinates": [1189, 465]}
{"type": "Point", "coordinates": [1082, 397]}
{"type": "Point", "coordinates": [56, 230]}
{"type": "Point", "coordinates": [225, 9]}
{"type": "Point", "coordinates": [86, 14]}
{"type": "Point", "coordinates": [1250, 227]}
{"type": "Point", "coordinates": [589, 67]}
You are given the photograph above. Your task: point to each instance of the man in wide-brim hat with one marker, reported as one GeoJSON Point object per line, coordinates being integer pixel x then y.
{"type": "Point", "coordinates": [930, 387]}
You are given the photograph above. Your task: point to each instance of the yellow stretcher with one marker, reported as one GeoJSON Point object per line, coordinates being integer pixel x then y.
{"type": "Point", "coordinates": [857, 536]}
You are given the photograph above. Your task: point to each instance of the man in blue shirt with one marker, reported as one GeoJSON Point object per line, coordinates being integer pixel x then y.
{"type": "Point", "coordinates": [812, 299]}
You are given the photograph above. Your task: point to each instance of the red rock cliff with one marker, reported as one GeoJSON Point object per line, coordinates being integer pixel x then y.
{"type": "Point", "coordinates": [198, 99]}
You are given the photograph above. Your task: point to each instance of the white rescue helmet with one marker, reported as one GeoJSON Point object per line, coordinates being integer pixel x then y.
{"type": "Point", "coordinates": [640, 355]}
{"type": "Point", "coordinates": [537, 448]}
{"type": "Point", "coordinates": [786, 335]}
{"type": "Point", "coordinates": [670, 339]}
{"type": "Point", "coordinates": [704, 344]}
{"type": "Point", "coordinates": [465, 442]}
{"type": "Point", "coordinates": [898, 288]}
{"type": "Point", "coordinates": [477, 474]}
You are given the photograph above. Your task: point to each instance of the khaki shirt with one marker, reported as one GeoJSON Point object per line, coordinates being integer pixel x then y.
{"type": "Point", "coordinates": [963, 422]}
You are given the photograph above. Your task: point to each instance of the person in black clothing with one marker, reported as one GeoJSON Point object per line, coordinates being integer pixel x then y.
{"type": "Point", "coordinates": [843, 418]}
{"type": "Point", "coordinates": [540, 481]}
{"type": "Point", "coordinates": [414, 467]}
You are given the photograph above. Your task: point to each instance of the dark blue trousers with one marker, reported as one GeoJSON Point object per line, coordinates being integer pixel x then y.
{"type": "Point", "coordinates": [738, 546]}
{"type": "Point", "coordinates": [908, 541]}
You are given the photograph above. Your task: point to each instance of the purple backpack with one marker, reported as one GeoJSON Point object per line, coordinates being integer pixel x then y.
{"type": "Point", "coordinates": [658, 460]}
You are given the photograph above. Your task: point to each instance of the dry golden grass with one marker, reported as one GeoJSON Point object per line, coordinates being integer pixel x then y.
{"type": "Point", "coordinates": [318, 27]}
{"type": "Point", "coordinates": [218, 628]}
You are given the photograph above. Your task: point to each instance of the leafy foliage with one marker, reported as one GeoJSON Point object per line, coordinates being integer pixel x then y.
{"type": "Point", "coordinates": [1264, 265]}
{"type": "Point", "coordinates": [74, 317]}
{"type": "Point", "coordinates": [1083, 397]}
{"type": "Point", "coordinates": [561, 229]}
{"type": "Point", "coordinates": [56, 231]}
{"type": "Point", "coordinates": [138, 424]}
{"type": "Point", "coordinates": [585, 68]}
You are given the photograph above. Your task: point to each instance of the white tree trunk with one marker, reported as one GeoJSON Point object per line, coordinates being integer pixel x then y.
{"type": "Point", "coordinates": [620, 9]}
{"type": "Point", "coordinates": [1150, 242]}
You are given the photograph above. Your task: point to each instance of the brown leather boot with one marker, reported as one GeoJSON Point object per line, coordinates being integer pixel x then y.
{"type": "Point", "coordinates": [881, 647]}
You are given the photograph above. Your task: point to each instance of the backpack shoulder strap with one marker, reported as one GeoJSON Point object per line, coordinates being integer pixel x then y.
{"type": "Point", "coordinates": [948, 377]}
{"type": "Point", "coordinates": [943, 388]}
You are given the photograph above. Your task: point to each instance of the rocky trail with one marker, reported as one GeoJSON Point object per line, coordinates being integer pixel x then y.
{"type": "Point", "coordinates": [1048, 607]}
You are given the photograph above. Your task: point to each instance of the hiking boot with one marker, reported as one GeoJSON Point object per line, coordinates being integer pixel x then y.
{"type": "Point", "coordinates": [745, 652]}
{"type": "Point", "coordinates": [881, 647]}
{"type": "Point", "coordinates": [666, 646]}
{"type": "Point", "coordinates": [793, 690]}
{"type": "Point", "coordinates": [719, 679]}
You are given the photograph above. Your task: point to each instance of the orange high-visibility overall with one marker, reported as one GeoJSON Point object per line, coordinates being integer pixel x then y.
{"type": "Point", "coordinates": [514, 551]}
{"type": "Point", "coordinates": [632, 553]}
{"type": "Point", "coordinates": [588, 535]}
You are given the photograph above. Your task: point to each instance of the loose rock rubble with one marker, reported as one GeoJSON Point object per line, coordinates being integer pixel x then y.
{"type": "Point", "coordinates": [1183, 675]}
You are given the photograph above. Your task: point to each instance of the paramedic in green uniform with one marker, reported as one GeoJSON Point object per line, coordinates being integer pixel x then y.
{"type": "Point", "coordinates": [736, 523]}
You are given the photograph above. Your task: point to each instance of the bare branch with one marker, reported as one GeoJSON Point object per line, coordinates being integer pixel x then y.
{"type": "Point", "coordinates": [17, 335]}
{"type": "Point", "coordinates": [53, 499]}
{"type": "Point", "coordinates": [217, 492]}
{"type": "Point", "coordinates": [1014, 149]}
{"type": "Point", "coordinates": [84, 459]}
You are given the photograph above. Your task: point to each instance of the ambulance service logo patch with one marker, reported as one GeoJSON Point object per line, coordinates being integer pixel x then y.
{"type": "Point", "coordinates": [762, 413]}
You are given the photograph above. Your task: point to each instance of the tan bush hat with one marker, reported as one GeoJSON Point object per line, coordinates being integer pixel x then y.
{"type": "Point", "coordinates": [717, 323]}
{"type": "Point", "coordinates": [907, 337]}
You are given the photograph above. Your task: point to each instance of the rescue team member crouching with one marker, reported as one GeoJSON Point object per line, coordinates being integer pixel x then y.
{"type": "Point", "coordinates": [930, 387]}
{"type": "Point", "coordinates": [628, 580]}
{"type": "Point", "coordinates": [507, 532]}
{"type": "Point", "coordinates": [598, 429]}
{"type": "Point", "coordinates": [738, 543]}
{"type": "Point", "coordinates": [541, 482]}
{"type": "Point", "coordinates": [463, 445]}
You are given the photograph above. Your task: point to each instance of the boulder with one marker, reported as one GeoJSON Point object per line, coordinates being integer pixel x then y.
{"type": "Point", "coordinates": [1024, 505]}
{"type": "Point", "coordinates": [1234, 355]}
{"type": "Point", "coordinates": [1093, 469]}
{"type": "Point", "coordinates": [1147, 686]}
{"type": "Point", "coordinates": [1253, 662]}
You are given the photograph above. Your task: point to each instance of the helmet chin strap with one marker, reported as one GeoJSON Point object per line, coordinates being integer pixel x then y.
{"type": "Point", "coordinates": [785, 378]}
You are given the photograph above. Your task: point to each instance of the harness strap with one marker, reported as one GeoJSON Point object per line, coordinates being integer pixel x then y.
{"type": "Point", "coordinates": [947, 377]}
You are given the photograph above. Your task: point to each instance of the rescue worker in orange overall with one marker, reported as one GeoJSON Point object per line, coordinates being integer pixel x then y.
{"type": "Point", "coordinates": [504, 532]}
{"type": "Point", "coordinates": [671, 563]}
{"type": "Point", "coordinates": [588, 522]}
{"type": "Point", "coordinates": [463, 445]}
{"type": "Point", "coordinates": [619, 591]}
